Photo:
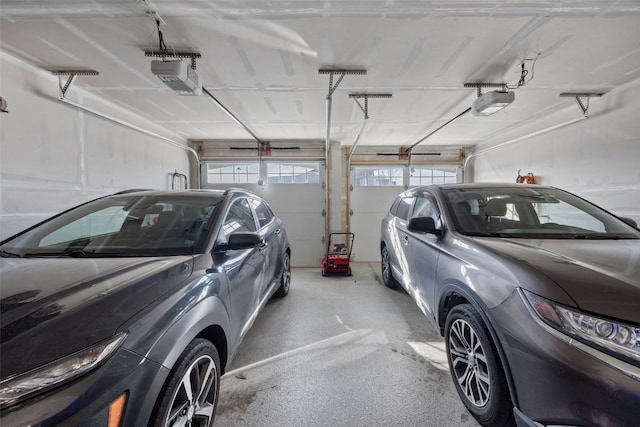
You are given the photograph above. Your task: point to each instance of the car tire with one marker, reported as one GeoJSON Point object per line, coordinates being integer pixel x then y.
{"type": "Point", "coordinates": [285, 279]}
{"type": "Point", "coordinates": [190, 394]}
{"type": "Point", "coordinates": [476, 369]}
{"type": "Point", "coordinates": [387, 275]}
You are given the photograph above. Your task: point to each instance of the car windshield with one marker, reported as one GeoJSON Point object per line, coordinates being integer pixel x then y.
{"type": "Point", "coordinates": [123, 225]}
{"type": "Point", "coordinates": [531, 212]}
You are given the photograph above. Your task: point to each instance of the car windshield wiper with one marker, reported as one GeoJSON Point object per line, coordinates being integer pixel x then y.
{"type": "Point", "coordinates": [8, 254]}
{"type": "Point", "coordinates": [487, 234]}
{"type": "Point", "coordinates": [73, 253]}
{"type": "Point", "coordinates": [597, 237]}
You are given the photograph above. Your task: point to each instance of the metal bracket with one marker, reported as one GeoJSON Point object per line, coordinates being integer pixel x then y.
{"type": "Point", "coordinates": [366, 97]}
{"type": "Point", "coordinates": [173, 54]}
{"type": "Point", "coordinates": [342, 73]}
{"type": "Point", "coordinates": [577, 95]}
{"type": "Point", "coordinates": [72, 75]}
{"type": "Point", "coordinates": [479, 86]}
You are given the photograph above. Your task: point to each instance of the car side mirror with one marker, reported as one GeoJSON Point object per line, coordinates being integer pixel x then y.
{"type": "Point", "coordinates": [629, 221]}
{"type": "Point", "coordinates": [242, 240]}
{"type": "Point", "coordinates": [423, 224]}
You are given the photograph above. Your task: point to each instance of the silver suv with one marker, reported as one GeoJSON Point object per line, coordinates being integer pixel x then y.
{"type": "Point", "coordinates": [536, 292]}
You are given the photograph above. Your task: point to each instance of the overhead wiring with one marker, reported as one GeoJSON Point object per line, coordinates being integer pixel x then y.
{"type": "Point", "coordinates": [524, 73]}
{"type": "Point", "coordinates": [161, 45]}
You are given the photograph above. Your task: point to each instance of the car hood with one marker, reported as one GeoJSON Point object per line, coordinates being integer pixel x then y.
{"type": "Point", "coordinates": [52, 307]}
{"type": "Point", "coordinates": [601, 276]}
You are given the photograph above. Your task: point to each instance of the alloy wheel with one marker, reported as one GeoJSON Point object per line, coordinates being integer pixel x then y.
{"type": "Point", "coordinates": [469, 363]}
{"type": "Point", "coordinates": [286, 273]}
{"type": "Point", "coordinates": [194, 399]}
{"type": "Point", "coordinates": [386, 272]}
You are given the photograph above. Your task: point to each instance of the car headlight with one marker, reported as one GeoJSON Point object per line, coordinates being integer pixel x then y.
{"type": "Point", "coordinates": [18, 387]}
{"type": "Point", "coordinates": [616, 337]}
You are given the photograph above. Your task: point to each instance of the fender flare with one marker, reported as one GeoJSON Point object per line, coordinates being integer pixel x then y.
{"type": "Point", "coordinates": [481, 308]}
{"type": "Point", "coordinates": [208, 313]}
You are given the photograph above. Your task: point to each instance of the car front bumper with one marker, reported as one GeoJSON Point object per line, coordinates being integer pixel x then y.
{"type": "Point", "coordinates": [559, 381]}
{"type": "Point", "coordinates": [85, 401]}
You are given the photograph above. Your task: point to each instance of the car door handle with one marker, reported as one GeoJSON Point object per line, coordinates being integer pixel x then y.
{"type": "Point", "coordinates": [406, 240]}
{"type": "Point", "coordinates": [278, 231]}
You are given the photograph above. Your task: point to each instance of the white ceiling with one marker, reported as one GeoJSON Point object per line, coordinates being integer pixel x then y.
{"type": "Point", "coordinates": [261, 59]}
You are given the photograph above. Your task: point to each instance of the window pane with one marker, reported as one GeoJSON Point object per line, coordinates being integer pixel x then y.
{"type": "Point", "coordinates": [404, 207]}
{"type": "Point", "coordinates": [108, 220]}
{"type": "Point", "coordinates": [369, 176]}
{"type": "Point", "coordinates": [290, 173]}
{"type": "Point", "coordinates": [239, 218]}
{"type": "Point", "coordinates": [240, 173]}
{"type": "Point", "coordinates": [262, 212]}
{"type": "Point", "coordinates": [427, 176]}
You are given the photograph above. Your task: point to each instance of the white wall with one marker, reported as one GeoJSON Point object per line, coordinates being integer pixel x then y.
{"type": "Point", "coordinates": [54, 156]}
{"type": "Point", "coordinates": [597, 158]}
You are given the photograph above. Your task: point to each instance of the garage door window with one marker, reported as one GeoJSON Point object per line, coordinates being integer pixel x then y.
{"type": "Point", "coordinates": [293, 173]}
{"type": "Point", "coordinates": [239, 173]}
{"type": "Point", "coordinates": [428, 176]}
{"type": "Point", "coordinates": [370, 176]}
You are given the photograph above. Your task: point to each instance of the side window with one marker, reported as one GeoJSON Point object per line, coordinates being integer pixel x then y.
{"type": "Point", "coordinates": [239, 218]}
{"type": "Point", "coordinates": [263, 212]}
{"type": "Point", "coordinates": [394, 207]}
{"type": "Point", "coordinates": [404, 207]}
{"type": "Point", "coordinates": [426, 206]}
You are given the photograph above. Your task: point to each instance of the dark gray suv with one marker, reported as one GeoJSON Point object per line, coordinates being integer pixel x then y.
{"type": "Point", "coordinates": [537, 294]}
{"type": "Point", "coordinates": [126, 310]}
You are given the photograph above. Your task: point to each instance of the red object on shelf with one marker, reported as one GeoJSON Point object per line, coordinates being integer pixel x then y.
{"type": "Point", "coordinates": [525, 179]}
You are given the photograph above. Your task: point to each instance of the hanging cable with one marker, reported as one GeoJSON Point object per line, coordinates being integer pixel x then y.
{"type": "Point", "coordinates": [521, 82]}
{"type": "Point", "coordinates": [533, 64]}
{"type": "Point", "coordinates": [524, 73]}
{"type": "Point", "coordinates": [161, 46]}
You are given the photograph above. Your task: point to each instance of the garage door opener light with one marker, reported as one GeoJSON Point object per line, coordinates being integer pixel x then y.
{"type": "Point", "coordinates": [491, 102]}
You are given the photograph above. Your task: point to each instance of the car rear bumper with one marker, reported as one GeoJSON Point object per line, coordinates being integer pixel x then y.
{"type": "Point", "coordinates": [559, 381]}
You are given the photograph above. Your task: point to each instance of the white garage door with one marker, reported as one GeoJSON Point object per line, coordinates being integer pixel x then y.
{"type": "Point", "coordinates": [293, 190]}
{"type": "Point", "coordinates": [374, 189]}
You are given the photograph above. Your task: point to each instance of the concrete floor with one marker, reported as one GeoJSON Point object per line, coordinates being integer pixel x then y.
{"type": "Point", "coordinates": [340, 351]}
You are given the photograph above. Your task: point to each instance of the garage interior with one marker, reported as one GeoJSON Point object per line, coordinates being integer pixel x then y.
{"type": "Point", "coordinates": [328, 110]}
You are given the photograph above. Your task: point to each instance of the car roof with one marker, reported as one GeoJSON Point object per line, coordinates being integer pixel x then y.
{"type": "Point", "coordinates": [472, 186]}
{"type": "Point", "coordinates": [190, 192]}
